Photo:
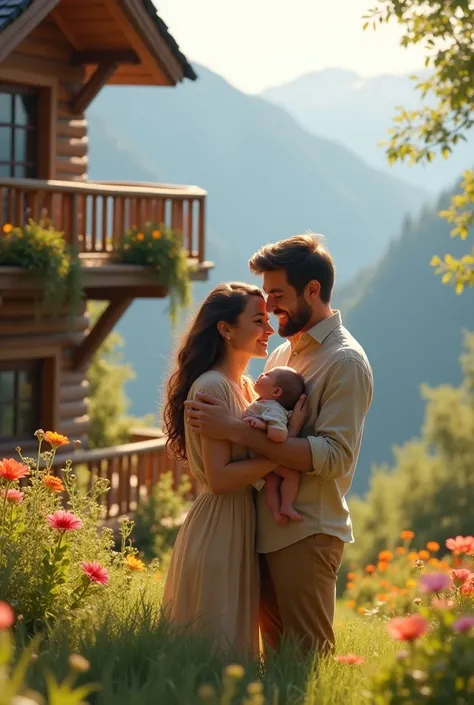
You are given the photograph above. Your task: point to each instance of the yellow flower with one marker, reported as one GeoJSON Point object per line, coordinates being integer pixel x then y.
{"type": "Point", "coordinates": [134, 563]}
{"type": "Point", "coordinates": [206, 691]}
{"type": "Point", "coordinates": [156, 234]}
{"type": "Point", "coordinates": [254, 688]}
{"type": "Point", "coordinates": [235, 670]}
{"type": "Point", "coordinates": [433, 546]}
{"type": "Point", "coordinates": [140, 236]}
{"type": "Point", "coordinates": [411, 583]}
{"type": "Point", "coordinates": [407, 535]}
{"type": "Point", "coordinates": [7, 228]}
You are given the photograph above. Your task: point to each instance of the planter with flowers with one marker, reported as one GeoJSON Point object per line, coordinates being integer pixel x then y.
{"type": "Point", "coordinates": [159, 247]}
{"type": "Point", "coordinates": [42, 250]}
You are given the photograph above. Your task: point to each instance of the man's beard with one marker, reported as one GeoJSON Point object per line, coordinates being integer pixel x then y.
{"type": "Point", "coordinates": [297, 320]}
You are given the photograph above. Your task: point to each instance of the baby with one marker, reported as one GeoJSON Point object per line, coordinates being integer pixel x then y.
{"type": "Point", "coordinates": [278, 391]}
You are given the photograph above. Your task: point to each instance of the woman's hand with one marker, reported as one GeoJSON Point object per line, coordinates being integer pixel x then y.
{"type": "Point", "coordinates": [298, 417]}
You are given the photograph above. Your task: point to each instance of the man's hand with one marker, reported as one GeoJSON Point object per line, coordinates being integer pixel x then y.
{"type": "Point", "coordinates": [210, 417]}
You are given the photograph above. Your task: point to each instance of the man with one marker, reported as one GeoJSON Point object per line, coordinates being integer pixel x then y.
{"type": "Point", "coordinates": [300, 560]}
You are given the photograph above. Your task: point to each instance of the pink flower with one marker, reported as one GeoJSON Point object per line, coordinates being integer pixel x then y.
{"type": "Point", "coordinates": [11, 470]}
{"type": "Point", "coordinates": [461, 576]}
{"type": "Point", "coordinates": [7, 616]}
{"type": "Point", "coordinates": [442, 604]}
{"type": "Point", "coordinates": [461, 544]}
{"type": "Point", "coordinates": [13, 496]}
{"type": "Point", "coordinates": [407, 628]}
{"type": "Point", "coordinates": [350, 659]}
{"type": "Point", "coordinates": [95, 572]}
{"type": "Point", "coordinates": [434, 582]}
{"type": "Point", "coordinates": [64, 521]}
{"type": "Point", "coordinates": [468, 589]}
{"type": "Point", "coordinates": [464, 624]}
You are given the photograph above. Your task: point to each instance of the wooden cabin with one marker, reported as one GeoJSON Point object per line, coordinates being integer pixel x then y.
{"type": "Point", "coordinates": [55, 56]}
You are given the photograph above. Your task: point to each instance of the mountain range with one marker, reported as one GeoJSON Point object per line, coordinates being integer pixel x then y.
{"type": "Point", "coordinates": [357, 112]}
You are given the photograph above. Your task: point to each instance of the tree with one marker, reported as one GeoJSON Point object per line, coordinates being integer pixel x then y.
{"type": "Point", "coordinates": [445, 28]}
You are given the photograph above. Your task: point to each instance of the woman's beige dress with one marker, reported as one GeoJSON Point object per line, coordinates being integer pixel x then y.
{"type": "Point", "coordinates": [213, 580]}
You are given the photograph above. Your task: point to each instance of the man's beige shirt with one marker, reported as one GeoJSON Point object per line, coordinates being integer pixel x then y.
{"type": "Point", "coordinates": [339, 384]}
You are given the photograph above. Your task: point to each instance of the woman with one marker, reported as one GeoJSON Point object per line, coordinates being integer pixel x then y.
{"type": "Point", "coordinates": [213, 579]}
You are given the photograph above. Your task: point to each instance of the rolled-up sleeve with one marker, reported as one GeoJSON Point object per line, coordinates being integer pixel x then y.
{"type": "Point", "coordinates": [338, 429]}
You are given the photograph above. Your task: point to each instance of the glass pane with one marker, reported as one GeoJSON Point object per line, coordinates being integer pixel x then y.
{"type": "Point", "coordinates": [25, 418]}
{"type": "Point", "coordinates": [7, 427]}
{"type": "Point", "coordinates": [5, 107]}
{"type": "Point", "coordinates": [5, 170]}
{"type": "Point", "coordinates": [5, 144]}
{"type": "Point", "coordinates": [7, 386]}
{"type": "Point", "coordinates": [19, 155]}
{"type": "Point", "coordinates": [25, 385]}
{"type": "Point", "coordinates": [19, 171]}
{"type": "Point", "coordinates": [25, 109]}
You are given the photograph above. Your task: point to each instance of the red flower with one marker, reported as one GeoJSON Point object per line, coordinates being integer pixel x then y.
{"type": "Point", "coordinates": [461, 544]}
{"type": "Point", "coordinates": [350, 659]}
{"type": "Point", "coordinates": [95, 572]}
{"type": "Point", "coordinates": [407, 628]}
{"type": "Point", "coordinates": [13, 496]}
{"type": "Point", "coordinates": [11, 470]}
{"type": "Point", "coordinates": [461, 576]}
{"type": "Point", "coordinates": [7, 616]}
{"type": "Point", "coordinates": [64, 521]}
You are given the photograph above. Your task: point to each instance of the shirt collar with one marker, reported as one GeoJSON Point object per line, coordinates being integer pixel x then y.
{"type": "Point", "coordinates": [322, 329]}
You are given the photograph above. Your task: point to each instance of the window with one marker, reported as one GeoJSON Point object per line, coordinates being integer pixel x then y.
{"type": "Point", "coordinates": [19, 399]}
{"type": "Point", "coordinates": [18, 132]}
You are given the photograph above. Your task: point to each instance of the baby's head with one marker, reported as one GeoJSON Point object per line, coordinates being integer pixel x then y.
{"type": "Point", "coordinates": [282, 384]}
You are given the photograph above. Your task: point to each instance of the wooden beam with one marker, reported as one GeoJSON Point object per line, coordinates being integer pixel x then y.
{"type": "Point", "coordinates": [89, 90]}
{"type": "Point", "coordinates": [120, 56]}
{"type": "Point", "coordinates": [20, 28]}
{"type": "Point", "coordinates": [150, 291]}
{"type": "Point", "coordinates": [102, 327]}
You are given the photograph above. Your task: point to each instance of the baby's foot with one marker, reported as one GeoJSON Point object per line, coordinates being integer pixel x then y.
{"type": "Point", "coordinates": [280, 519]}
{"type": "Point", "coordinates": [289, 512]}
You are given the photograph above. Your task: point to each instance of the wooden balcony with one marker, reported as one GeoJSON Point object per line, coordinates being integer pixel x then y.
{"type": "Point", "coordinates": [94, 216]}
{"type": "Point", "coordinates": [132, 470]}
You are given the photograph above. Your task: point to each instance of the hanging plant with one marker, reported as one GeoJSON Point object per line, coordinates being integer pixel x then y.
{"type": "Point", "coordinates": [41, 249]}
{"type": "Point", "coordinates": [159, 247]}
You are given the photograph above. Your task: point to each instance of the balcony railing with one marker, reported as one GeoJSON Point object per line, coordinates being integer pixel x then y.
{"type": "Point", "coordinates": [132, 470]}
{"type": "Point", "coordinates": [94, 215]}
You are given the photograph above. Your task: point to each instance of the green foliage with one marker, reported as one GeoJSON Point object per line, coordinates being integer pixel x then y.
{"type": "Point", "coordinates": [159, 247]}
{"type": "Point", "coordinates": [158, 518]}
{"type": "Point", "coordinates": [431, 486]}
{"type": "Point", "coordinates": [41, 249]}
{"type": "Point", "coordinates": [444, 28]}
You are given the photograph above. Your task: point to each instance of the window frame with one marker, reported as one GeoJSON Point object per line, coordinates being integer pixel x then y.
{"type": "Point", "coordinates": [30, 163]}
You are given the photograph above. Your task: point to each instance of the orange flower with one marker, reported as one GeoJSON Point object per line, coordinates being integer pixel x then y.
{"type": "Point", "coordinates": [412, 556]}
{"type": "Point", "coordinates": [382, 597]}
{"type": "Point", "coordinates": [424, 555]}
{"type": "Point", "coordinates": [433, 546]}
{"type": "Point", "coordinates": [11, 470]}
{"type": "Point", "coordinates": [443, 565]}
{"type": "Point", "coordinates": [407, 535]}
{"type": "Point", "coordinates": [370, 568]}
{"type": "Point", "coordinates": [434, 562]}
{"type": "Point", "coordinates": [156, 234]}
{"type": "Point", "coordinates": [395, 589]}
{"type": "Point", "coordinates": [361, 610]}
{"type": "Point", "coordinates": [400, 550]}
{"type": "Point", "coordinates": [55, 484]}
{"type": "Point", "coordinates": [385, 556]}
{"type": "Point", "coordinates": [404, 592]}
{"type": "Point", "coordinates": [351, 604]}
{"type": "Point", "coordinates": [351, 576]}
{"type": "Point", "coordinates": [350, 586]}
{"type": "Point", "coordinates": [382, 566]}
{"type": "Point", "coordinates": [134, 563]}
{"type": "Point", "coordinates": [140, 236]}
{"type": "Point", "coordinates": [384, 583]}
{"type": "Point", "coordinates": [55, 440]}
{"type": "Point", "coordinates": [7, 228]}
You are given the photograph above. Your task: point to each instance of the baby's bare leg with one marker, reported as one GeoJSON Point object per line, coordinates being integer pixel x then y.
{"type": "Point", "coordinates": [290, 483]}
{"type": "Point", "coordinates": [272, 495]}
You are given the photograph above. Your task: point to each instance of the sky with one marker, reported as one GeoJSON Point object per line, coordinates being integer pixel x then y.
{"type": "Point", "coordinates": [256, 44]}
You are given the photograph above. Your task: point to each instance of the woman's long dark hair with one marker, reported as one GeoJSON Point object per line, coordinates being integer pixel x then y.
{"type": "Point", "coordinates": [202, 348]}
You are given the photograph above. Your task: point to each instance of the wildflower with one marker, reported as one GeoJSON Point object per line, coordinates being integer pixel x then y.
{"type": "Point", "coordinates": [461, 544]}
{"type": "Point", "coordinates": [7, 228]}
{"type": "Point", "coordinates": [407, 535]}
{"type": "Point", "coordinates": [351, 576]}
{"type": "Point", "coordinates": [468, 590]}
{"type": "Point", "coordinates": [417, 601]}
{"type": "Point", "coordinates": [64, 521]}
{"type": "Point", "coordinates": [140, 236]}
{"type": "Point", "coordinates": [55, 440]}
{"type": "Point", "coordinates": [384, 583]}
{"type": "Point", "coordinates": [412, 556]}
{"type": "Point", "coordinates": [7, 616]}
{"type": "Point", "coordinates": [438, 604]}
{"type": "Point", "coordinates": [361, 610]}
{"type": "Point", "coordinates": [424, 555]}
{"type": "Point", "coordinates": [11, 470]}
{"type": "Point", "coordinates": [350, 586]}
{"type": "Point", "coordinates": [78, 663]}
{"type": "Point", "coordinates": [206, 691]}
{"type": "Point", "coordinates": [461, 576]}
{"type": "Point", "coordinates": [39, 434]}
{"type": "Point", "coordinates": [385, 556]}
{"type": "Point", "coordinates": [13, 496]}
{"type": "Point", "coordinates": [464, 624]}
{"type": "Point", "coordinates": [404, 592]}
{"type": "Point", "coordinates": [350, 659]}
{"type": "Point", "coordinates": [235, 671]}
{"type": "Point", "coordinates": [370, 569]}
{"type": "Point", "coordinates": [382, 566]}
{"type": "Point", "coordinates": [434, 582]}
{"type": "Point", "coordinates": [433, 546]}
{"type": "Point", "coordinates": [134, 563]}
{"type": "Point", "coordinates": [434, 562]}
{"type": "Point", "coordinates": [400, 550]}
{"type": "Point", "coordinates": [419, 563]}
{"type": "Point", "coordinates": [255, 688]}
{"type": "Point", "coordinates": [350, 604]}
{"type": "Point", "coordinates": [55, 484]}
{"type": "Point", "coordinates": [407, 628]}
{"type": "Point", "coordinates": [95, 572]}
{"type": "Point", "coordinates": [382, 597]}
{"type": "Point", "coordinates": [411, 583]}
{"type": "Point", "coordinates": [156, 234]}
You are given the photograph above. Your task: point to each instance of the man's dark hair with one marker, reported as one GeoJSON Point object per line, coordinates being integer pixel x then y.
{"type": "Point", "coordinates": [303, 258]}
{"type": "Point", "coordinates": [292, 386]}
